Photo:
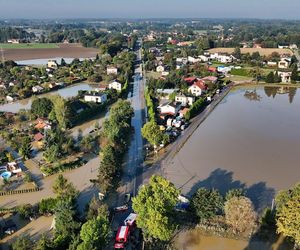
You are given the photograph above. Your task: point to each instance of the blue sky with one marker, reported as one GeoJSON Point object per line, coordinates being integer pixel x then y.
{"type": "Point", "coordinates": [279, 9]}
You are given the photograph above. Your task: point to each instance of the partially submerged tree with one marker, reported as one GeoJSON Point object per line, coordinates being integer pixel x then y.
{"type": "Point", "coordinates": [206, 203]}
{"type": "Point", "coordinates": [154, 205]}
{"type": "Point", "coordinates": [240, 214]}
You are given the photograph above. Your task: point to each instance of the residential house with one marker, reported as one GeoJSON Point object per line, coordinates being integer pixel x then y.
{"type": "Point", "coordinates": [284, 63]}
{"type": "Point", "coordinates": [42, 124]}
{"type": "Point", "coordinates": [185, 100]}
{"type": "Point", "coordinates": [160, 68]}
{"type": "Point", "coordinates": [181, 60]}
{"type": "Point", "coordinates": [112, 70]}
{"type": "Point", "coordinates": [183, 112]}
{"type": "Point", "coordinates": [285, 76]}
{"type": "Point", "coordinates": [52, 64]}
{"type": "Point", "coordinates": [197, 88]}
{"type": "Point", "coordinates": [211, 79]}
{"type": "Point", "coordinates": [193, 59]}
{"type": "Point", "coordinates": [190, 80]}
{"type": "Point", "coordinates": [165, 93]}
{"type": "Point", "coordinates": [38, 137]}
{"type": "Point", "coordinates": [101, 87]}
{"type": "Point", "coordinates": [115, 85]}
{"type": "Point", "coordinates": [204, 58]}
{"type": "Point", "coordinates": [95, 97]}
{"type": "Point", "coordinates": [10, 98]}
{"type": "Point", "coordinates": [272, 64]}
{"type": "Point", "coordinates": [169, 108]}
{"type": "Point", "coordinates": [37, 89]}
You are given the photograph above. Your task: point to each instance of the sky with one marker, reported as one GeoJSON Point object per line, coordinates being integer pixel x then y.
{"type": "Point", "coordinates": [265, 9]}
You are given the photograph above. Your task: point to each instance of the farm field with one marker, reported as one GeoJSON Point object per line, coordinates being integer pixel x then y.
{"type": "Point", "coordinates": [28, 45]}
{"type": "Point", "coordinates": [262, 51]}
{"type": "Point", "coordinates": [62, 50]}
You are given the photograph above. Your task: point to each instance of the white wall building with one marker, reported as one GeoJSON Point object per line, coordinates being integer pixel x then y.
{"type": "Point", "coordinates": [95, 97]}
{"type": "Point", "coordinates": [112, 71]}
{"type": "Point", "coordinates": [115, 85]}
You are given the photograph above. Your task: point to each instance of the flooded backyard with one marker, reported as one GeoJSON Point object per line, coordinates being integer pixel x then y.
{"type": "Point", "coordinates": [251, 141]}
{"type": "Point", "coordinates": [66, 92]}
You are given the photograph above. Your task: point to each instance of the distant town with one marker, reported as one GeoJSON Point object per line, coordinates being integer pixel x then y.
{"type": "Point", "coordinates": [149, 134]}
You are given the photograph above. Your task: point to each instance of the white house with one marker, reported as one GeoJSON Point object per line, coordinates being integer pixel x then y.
{"type": "Point", "coordinates": [37, 89]}
{"type": "Point", "coordinates": [169, 108]}
{"type": "Point", "coordinates": [197, 88]}
{"type": "Point", "coordinates": [115, 85]}
{"type": "Point", "coordinates": [272, 64]}
{"type": "Point", "coordinates": [185, 100]}
{"type": "Point", "coordinates": [285, 76]}
{"type": "Point", "coordinates": [181, 60]}
{"type": "Point", "coordinates": [204, 58]}
{"type": "Point", "coordinates": [52, 64]}
{"type": "Point", "coordinates": [160, 68]}
{"type": "Point", "coordinates": [193, 59]}
{"type": "Point", "coordinates": [112, 70]}
{"type": "Point", "coordinates": [284, 63]}
{"type": "Point", "coordinates": [95, 97]}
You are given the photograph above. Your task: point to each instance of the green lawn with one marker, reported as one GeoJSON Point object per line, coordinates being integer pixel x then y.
{"type": "Point", "coordinates": [28, 45]}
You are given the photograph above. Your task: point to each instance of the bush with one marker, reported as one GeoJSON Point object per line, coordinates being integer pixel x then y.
{"type": "Point", "coordinates": [47, 206]}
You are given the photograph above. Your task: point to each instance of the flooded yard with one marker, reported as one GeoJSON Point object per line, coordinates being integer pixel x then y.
{"type": "Point", "coordinates": [251, 141]}
{"type": "Point", "coordinates": [66, 92]}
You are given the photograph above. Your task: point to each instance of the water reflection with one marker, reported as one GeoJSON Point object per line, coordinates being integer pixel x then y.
{"type": "Point", "coordinates": [273, 91]}
{"type": "Point", "coordinates": [252, 95]}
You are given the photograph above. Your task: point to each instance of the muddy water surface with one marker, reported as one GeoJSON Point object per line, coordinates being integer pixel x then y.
{"type": "Point", "coordinates": [251, 140]}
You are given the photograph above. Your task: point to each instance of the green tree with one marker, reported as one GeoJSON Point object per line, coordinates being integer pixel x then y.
{"type": "Point", "coordinates": [47, 205]}
{"type": "Point", "coordinates": [22, 243]}
{"type": "Point", "coordinates": [270, 77]}
{"type": "Point", "coordinates": [25, 147]}
{"type": "Point", "coordinates": [155, 206]}
{"type": "Point", "coordinates": [237, 192]}
{"type": "Point", "coordinates": [64, 189]}
{"type": "Point", "coordinates": [61, 110]}
{"type": "Point", "coordinates": [152, 133]}
{"type": "Point", "coordinates": [95, 233]}
{"type": "Point", "coordinates": [294, 75]}
{"type": "Point", "coordinates": [288, 213]}
{"type": "Point", "coordinates": [25, 211]}
{"type": "Point", "coordinates": [43, 243]}
{"type": "Point", "coordinates": [41, 107]}
{"type": "Point", "coordinates": [52, 153]}
{"type": "Point", "coordinates": [206, 203]}
{"type": "Point", "coordinates": [240, 214]}
{"type": "Point", "coordinates": [237, 53]}
{"type": "Point", "coordinates": [66, 226]}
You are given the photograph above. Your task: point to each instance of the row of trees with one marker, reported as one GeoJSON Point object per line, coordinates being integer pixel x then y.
{"type": "Point", "coordinates": [234, 212]}
{"type": "Point", "coordinates": [116, 131]}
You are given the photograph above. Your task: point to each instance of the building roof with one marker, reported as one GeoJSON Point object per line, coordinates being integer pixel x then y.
{"type": "Point", "coordinates": [200, 84]}
{"type": "Point", "coordinates": [184, 111]}
{"type": "Point", "coordinates": [38, 137]}
{"type": "Point", "coordinates": [190, 79]}
{"type": "Point", "coordinates": [210, 78]}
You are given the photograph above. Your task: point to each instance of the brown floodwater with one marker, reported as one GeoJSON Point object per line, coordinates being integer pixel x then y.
{"type": "Point", "coordinates": [251, 141]}
{"type": "Point", "coordinates": [194, 240]}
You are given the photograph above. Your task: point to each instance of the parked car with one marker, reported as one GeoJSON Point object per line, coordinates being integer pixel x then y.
{"type": "Point", "coordinates": [127, 198]}
{"type": "Point", "coordinates": [121, 208]}
{"type": "Point", "coordinates": [10, 227]}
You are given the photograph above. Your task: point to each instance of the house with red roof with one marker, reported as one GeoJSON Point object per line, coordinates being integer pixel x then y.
{"type": "Point", "coordinates": [197, 88]}
{"type": "Point", "coordinates": [190, 80]}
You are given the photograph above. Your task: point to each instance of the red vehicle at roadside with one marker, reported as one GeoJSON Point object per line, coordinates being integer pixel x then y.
{"type": "Point", "coordinates": [123, 233]}
{"type": "Point", "coordinates": [122, 237]}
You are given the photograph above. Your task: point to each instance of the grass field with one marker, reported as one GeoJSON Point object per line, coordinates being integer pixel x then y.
{"type": "Point", "coordinates": [28, 45]}
{"type": "Point", "coordinates": [262, 51]}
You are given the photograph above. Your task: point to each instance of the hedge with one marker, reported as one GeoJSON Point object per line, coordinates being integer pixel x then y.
{"type": "Point", "coordinates": [196, 108]}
